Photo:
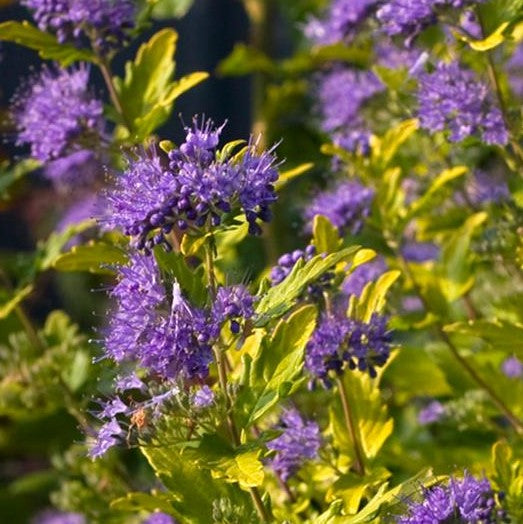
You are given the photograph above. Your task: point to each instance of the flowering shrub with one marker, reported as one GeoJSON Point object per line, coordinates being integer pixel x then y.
{"type": "Point", "coordinates": [321, 322]}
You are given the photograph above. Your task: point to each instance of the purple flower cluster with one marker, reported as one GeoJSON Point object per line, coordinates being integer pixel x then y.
{"type": "Point", "coordinates": [300, 441]}
{"type": "Point", "coordinates": [159, 518]}
{"type": "Point", "coordinates": [420, 251]}
{"type": "Point", "coordinates": [512, 367]}
{"type": "Point", "coordinates": [79, 169]}
{"type": "Point", "coordinates": [203, 398]}
{"type": "Point", "coordinates": [515, 71]}
{"type": "Point", "coordinates": [409, 17]}
{"type": "Point", "coordinates": [346, 206]}
{"type": "Point", "coordinates": [467, 499]}
{"type": "Point", "coordinates": [452, 98]}
{"type": "Point", "coordinates": [75, 20]}
{"type": "Point", "coordinates": [338, 340]}
{"type": "Point", "coordinates": [55, 115]}
{"type": "Point", "coordinates": [288, 261]}
{"type": "Point", "coordinates": [340, 21]}
{"type": "Point", "coordinates": [162, 333]}
{"type": "Point", "coordinates": [362, 275]}
{"type": "Point", "coordinates": [354, 141]}
{"type": "Point", "coordinates": [487, 187]}
{"type": "Point", "coordinates": [58, 517]}
{"type": "Point", "coordinates": [341, 94]}
{"type": "Point", "coordinates": [232, 303]}
{"type": "Point", "coordinates": [431, 413]}
{"type": "Point", "coordinates": [194, 188]}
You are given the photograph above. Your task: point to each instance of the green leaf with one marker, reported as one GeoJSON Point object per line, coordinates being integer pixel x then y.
{"type": "Point", "coordinates": [279, 362]}
{"type": "Point", "coordinates": [94, 257]}
{"type": "Point", "coordinates": [279, 299]}
{"type": "Point", "coordinates": [136, 502]}
{"type": "Point", "coordinates": [370, 415]}
{"type": "Point", "coordinates": [287, 176]}
{"type": "Point", "coordinates": [490, 42]}
{"type": "Point", "coordinates": [456, 277]}
{"type": "Point", "coordinates": [244, 60]}
{"type": "Point", "coordinates": [385, 499]}
{"type": "Point", "coordinates": [351, 488]}
{"type": "Point", "coordinates": [191, 280]}
{"type": "Point", "coordinates": [13, 300]}
{"type": "Point", "coordinates": [372, 298]}
{"type": "Point", "coordinates": [163, 9]}
{"type": "Point", "coordinates": [51, 249]}
{"type": "Point", "coordinates": [47, 45]}
{"type": "Point", "coordinates": [193, 490]}
{"type": "Point", "coordinates": [325, 236]}
{"type": "Point", "coordinates": [427, 201]}
{"type": "Point", "coordinates": [246, 468]}
{"type": "Point", "coordinates": [148, 91]}
{"type": "Point", "coordinates": [384, 149]}
{"type": "Point", "coordinates": [429, 380]}
{"type": "Point", "coordinates": [11, 175]}
{"type": "Point", "coordinates": [508, 477]}
{"type": "Point", "coordinates": [500, 334]}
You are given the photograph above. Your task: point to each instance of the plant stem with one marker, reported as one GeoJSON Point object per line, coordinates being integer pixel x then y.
{"type": "Point", "coordinates": [222, 378]}
{"type": "Point", "coordinates": [359, 464]}
{"type": "Point", "coordinates": [113, 94]}
{"type": "Point", "coordinates": [494, 79]}
{"type": "Point", "coordinates": [496, 399]}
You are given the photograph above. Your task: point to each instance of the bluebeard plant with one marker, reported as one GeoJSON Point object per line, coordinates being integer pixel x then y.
{"type": "Point", "coordinates": [467, 500]}
{"type": "Point", "coordinates": [512, 367]}
{"type": "Point", "coordinates": [57, 116]}
{"type": "Point", "coordinates": [159, 330]}
{"type": "Point", "coordinates": [341, 93]}
{"type": "Point", "coordinates": [159, 517]}
{"type": "Point", "coordinates": [338, 341]}
{"type": "Point", "coordinates": [194, 187]}
{"type": "Point", "coordinates": [299, 442]}
{"type": "Point", "coordinates": [347, 206]}
{"type": "Point", "coordinates": [409, 17]}
{"type": "Point", "coordinates": [420, 251]}
{"type": "Point", "coordinates": [452, 98]}
{"type": "Point", "coordinates": [104, 22]}
{"type": "Point", "coordinates": [433, 412]}
{"type": "Point", "coordinates": [362, 275]}
{"type": "Point", "coordinates": [339, 22]}
{"type": "Point", "coordinates": [59, 517]}
{"type": "Point", "coordinates": [287, 261]}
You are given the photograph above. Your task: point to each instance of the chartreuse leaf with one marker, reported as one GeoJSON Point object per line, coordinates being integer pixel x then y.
{"type": "Point", "coordinates": [47, 45]}
{"type": "Point", "coordinates": [385, 499]}
{"type": "Point", "coordinates": [148, 91]}
{"type": "Point", "coordinates": [192, 488]}
{"type": "Point", "coordinates": [165, 9]}
{"type": "Point", "coordinates": [244, 468]}
{"type": "Point", "coordinates": [351, 488]}
{"type": "Point", "coordinates": [191, 280]}
{"type": "Point", "coordinates": [508, 478]}
{"type": "Point", "coordinates": [455, 275]}
{"type": "Point", "coordinates": [385, 148]}
{"type": "Point", "coordinates": [496, 38]}
{"type": "Point", "coordinates": [287, 176]}
{"type": "Point", "coordinates": [372, 298]}
{"type": "Point", "coordinates": [370, 415]}
{"type": "Point", "coordinates": [136, 502]}
{"type": "Point", "coordinates": [51, 249]}
{"type": "Point", "coordinates": [13, 300]}
{"type": "Point", "coordinates": [279, 299]}
{"type": "Point", "coordinates": [427, 201]}
{"type": "Point", "coordinates": [10, 175]}
{"type": "Point", "coordinates": [429, 380]}
{"type": "Point", "coordinates": [500, 334]}
{"type": "Point", "coordinates": [94, 257]}
{"type": "Point", "coordinates": [325, 236]}
{"type": "Point", "coordinates": [279, 361]}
